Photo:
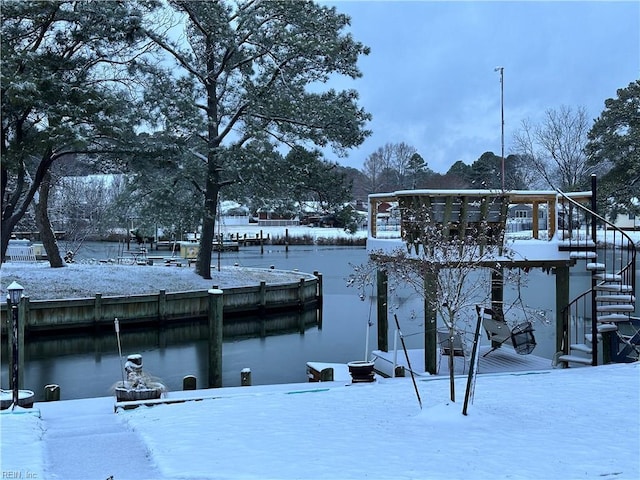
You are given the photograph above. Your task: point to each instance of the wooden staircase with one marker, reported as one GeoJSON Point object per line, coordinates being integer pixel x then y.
{"type": "Point", "coordinates": [603, 316]}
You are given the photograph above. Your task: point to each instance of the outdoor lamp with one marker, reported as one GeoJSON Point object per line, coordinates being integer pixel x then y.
{"type": "Point", "coordinates": [15, 292]}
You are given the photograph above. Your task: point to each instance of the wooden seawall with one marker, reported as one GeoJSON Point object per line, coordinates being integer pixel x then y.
{"type": "Point", "coordinates": [98, 313]}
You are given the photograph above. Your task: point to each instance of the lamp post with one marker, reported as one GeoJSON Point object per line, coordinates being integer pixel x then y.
{"type": "Point", "coordinates": [15, 293]}
{"type": "Point", "coordinates": [501, 70]}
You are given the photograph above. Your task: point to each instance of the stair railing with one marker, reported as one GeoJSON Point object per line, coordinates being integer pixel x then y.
{"type": "Point", "coordinates": [617, 250]}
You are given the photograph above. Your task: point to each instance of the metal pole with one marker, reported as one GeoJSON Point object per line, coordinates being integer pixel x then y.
{"type": "Point", "coordinates": [15, 372]}
{"type": "Point", "coordinates": [406, 355]}
{"type": "Point", "coordinates": [501, 70]}
{"type": "Point", "coordinates": [594, 282]}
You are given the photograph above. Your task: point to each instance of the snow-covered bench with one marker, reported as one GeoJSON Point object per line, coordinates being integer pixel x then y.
{"type": "Point", "coordinates": [21, 253]}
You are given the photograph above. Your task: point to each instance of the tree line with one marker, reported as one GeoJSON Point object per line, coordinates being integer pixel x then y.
{"type": "Point", "coordinates": [560, 152]}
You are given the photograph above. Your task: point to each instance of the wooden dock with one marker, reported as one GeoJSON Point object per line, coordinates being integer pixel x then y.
{"type": "Point", "coordinates": [503, 360]}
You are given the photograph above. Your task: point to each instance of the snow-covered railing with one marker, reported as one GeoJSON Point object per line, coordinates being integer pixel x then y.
{"type": "Point", "coordinates": [454, 208]}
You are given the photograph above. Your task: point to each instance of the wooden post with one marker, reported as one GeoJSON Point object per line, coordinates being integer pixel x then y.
{"type": "Point", "coordinates": [301, 295]}
{"type": "Point", "coordinates": [318, 275]}
{"type": "Point", "coordinates": [215, 337]}
{"type": "Point", "coordinates": [263, 298]}
{"type": "Point", "coordinates": [286, 239]}
{"type": "Point", "coordinates": [497, 293]}
{"type": "Point", "coordinates": [97, 308]}
{"type": "Point", "coordinates": [383, 319]}
{"type": "Point", "coordinates": [261, 243]}
{"type": "Point", "coordinates": [497, 298]}
{"type": "Point", "coordinates": [319, 299]}
{"type": "Point", "coordinates": [245, 377]}
{"type": "Point", "coordinates": [562, 300]}
{"type": "Point", "coordinates": [430, 324]}
{"type": "Point", "coordinates": [162, 305]}
{"type": "Point", "coordinates": [51, 393]}
{"type": "Point", "coordinates": [534, 219]}
{"type": "Point", "coordinates": [189, 382]}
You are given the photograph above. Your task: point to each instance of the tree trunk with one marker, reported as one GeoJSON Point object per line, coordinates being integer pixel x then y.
{"type": "Point", "coordinates": [44, 224]}
{"type": "Point", "coordinates": [203, 262]}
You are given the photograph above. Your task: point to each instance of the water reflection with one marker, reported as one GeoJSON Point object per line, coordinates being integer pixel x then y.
{"type": "Point", "coordinates": [82, 362]}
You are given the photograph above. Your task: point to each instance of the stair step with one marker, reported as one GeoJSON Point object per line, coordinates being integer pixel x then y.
{"type": "Point", "coordinates": [576, 244]}
{"type": "Point", "coordinates": [581, 347]}
{"type": "Point", "coordinates": [596, 267]}
{"type": "Point", "coordinates": [614, 287]}
{"type": "Point", "coordinates": [583, 255]}
{"type": "Point", "coordinates": [574, 359]}
{"type": "Point", "coordinates": [613, 317]}
{"type": "Point", "coordinates": [621, 307]}
{"type": "Point", "coordinates": [608, 277]}
{"type": "Point", "coordinates": [616, 298]}
{"type": "Point", "coordinates": [588, 336]}
{"type": "Point", "coordinates": [606, 327]}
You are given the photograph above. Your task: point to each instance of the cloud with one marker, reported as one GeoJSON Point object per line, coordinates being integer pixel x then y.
{"type": "Point", "coordinates": [430, 81]}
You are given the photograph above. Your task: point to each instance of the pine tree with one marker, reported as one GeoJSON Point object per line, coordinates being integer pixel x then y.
{"type": "Point", "coordinates": [614, 151]}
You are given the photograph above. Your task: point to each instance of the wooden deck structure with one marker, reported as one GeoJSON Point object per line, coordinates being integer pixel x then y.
{"type": "Point", "coordinates": [563, 231]}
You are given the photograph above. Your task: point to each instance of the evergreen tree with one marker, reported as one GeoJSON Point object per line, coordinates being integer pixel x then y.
{"type": "Point", "coordinates": [614, 152]}
{"type": "Point", "coordinates": [67, 70]}
{"type": "Point", "coordinates": [242, 74]}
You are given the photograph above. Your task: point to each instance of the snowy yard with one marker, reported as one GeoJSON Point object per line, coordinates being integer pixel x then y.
{"type": "Point", "coordinates": [580, 423]}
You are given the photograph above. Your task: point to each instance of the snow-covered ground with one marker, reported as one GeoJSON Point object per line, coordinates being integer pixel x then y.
{"type": "Point", "coordinates": [42, 282]}
{"type": "Point", "coordinates": [580, 423]}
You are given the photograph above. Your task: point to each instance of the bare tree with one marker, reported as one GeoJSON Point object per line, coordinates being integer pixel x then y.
{"type": "Point", "coordinates": [374, 168]}
{"type": "Point", "coordinates": [401, 163]}
{"type": "Point", "coordinates": [81, 206]}
{"type": "Point", "coordinates": [555, 147]}
{"type": "Point", "coordinates": [391, 167]}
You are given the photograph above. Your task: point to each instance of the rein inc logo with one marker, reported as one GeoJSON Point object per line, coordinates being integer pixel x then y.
{"type": "Point", "coordinates": [8, 474]}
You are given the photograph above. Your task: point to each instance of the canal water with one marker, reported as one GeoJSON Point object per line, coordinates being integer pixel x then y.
{"type": "Point", "coordinates": [88, 366]}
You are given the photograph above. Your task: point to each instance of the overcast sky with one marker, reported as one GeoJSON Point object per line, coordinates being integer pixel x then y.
{"type": "Point", "coordinates": [430, 81]}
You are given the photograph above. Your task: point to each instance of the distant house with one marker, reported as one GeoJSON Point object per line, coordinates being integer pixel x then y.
{"type": "Point", "coordinates": [627, 221]}
{"type": "Point", "coordinates": [233, 213]}
{"type": "Point", "coordinates": [520, 217]}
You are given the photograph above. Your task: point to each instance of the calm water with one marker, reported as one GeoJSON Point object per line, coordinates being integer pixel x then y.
{"type": "Point", "coordinates": [88, 366]}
